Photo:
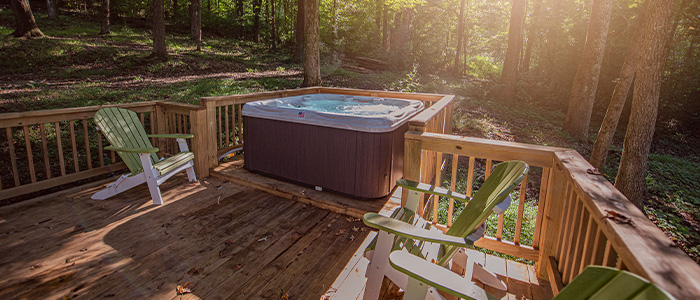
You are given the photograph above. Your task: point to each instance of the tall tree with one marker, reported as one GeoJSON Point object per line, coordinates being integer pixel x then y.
{"type": "Point", "coordinates": [385, 28]}
{"type": "Point", "coordinates": [299, 32]}
{"type": "Point", "coordinates": [240, 11]}
{"type": "Point", "coordinates": [533, 34]}
{"type": "Point", "coordinates": [25, 26]}
{"type": "Point", "coordinates": [509, 76]}
{"type": "Point", "coordinates": [256, 20]}
{"type": "Point", "coordinates": [312, 56]}
{"type": "Point", "coordinates": [51, 9]}
{"type": "Point", "coordinates": [196, 22]}
{"type": "Point", "coordinates": [105, 17]}
{"type": "Point", "coordinates": [159, 48]}
{"type": "Point", "coordinates": [617, 102]}
{"type": "Point", "coordinates": [460, 32]}
{"type": "Point", "coordinates": [274, 24]}
{"type": "Point", "coordinates": [645, 100]}
{"type": "Point", "coordinates": [578, 116]}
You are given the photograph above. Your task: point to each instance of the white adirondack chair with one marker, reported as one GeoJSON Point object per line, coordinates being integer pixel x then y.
{"type": "Point", "coordinates": [128, 138]}
{"type": "Point", "coordinates": [404, 230]}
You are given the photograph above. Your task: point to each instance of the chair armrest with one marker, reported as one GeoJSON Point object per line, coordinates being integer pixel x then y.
{"type": "Point", "coordinates": [407, 230]}
{"type": "Point", "coordinates": [172, 135]}
{"type": "Point", "coordinates": [132, 150]}
{"type": "Point", "coordinates": [430, 189]}
{"type": "Point", "coordinates": [436, 276]}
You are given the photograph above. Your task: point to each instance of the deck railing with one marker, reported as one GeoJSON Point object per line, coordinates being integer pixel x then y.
{"type": "Point", "coordinates": [49, 148]}
{"type": "Point", "coordinates": [573, 225]}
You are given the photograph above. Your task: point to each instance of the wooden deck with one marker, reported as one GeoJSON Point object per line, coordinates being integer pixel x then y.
{"type": "Point", "coordinates": [229, 241]}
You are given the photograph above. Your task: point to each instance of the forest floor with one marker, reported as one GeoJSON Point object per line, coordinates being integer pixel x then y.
{"type": "Point", "coordinates": [74, 66]}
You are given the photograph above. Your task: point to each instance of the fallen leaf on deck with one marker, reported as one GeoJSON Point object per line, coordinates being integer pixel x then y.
{"type": "Point", "coordinates": [285, 296]}
{"type": "Point", "coordinates": [228, 242]}
{"type": "Point", "coordinates": [238, 267]}
{"type": "Point", "coordinates": [67, 260]}
{"type": "Point", "coordinates": [618, 217]}
{"type": "Point", "coordinates": [218, 200]}
{"type": "Point", "coordinates": [194, 271]}
{"type": "Point", "coordinates": [342, 231]}
{"type": "Point", "coordinates": [351, 219]}
{"type": "Point", "coordinates": [262, 239]}
{"type": "Point", "coordinates": [352, 237]}
{"type": "Point", "coordinates": [83, 250]}
{"type": "Point", "coordinates": [35, 266]}
{"type": "Point", "coordinates": [355, 229]}
{"type": "Point", "coordinates": [181, 290]}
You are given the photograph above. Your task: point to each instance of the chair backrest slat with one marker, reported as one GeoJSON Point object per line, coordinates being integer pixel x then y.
{"type": "Point", "coordinates": [122, 128]}
{"type": "Point", "coordinates": [503, 180]}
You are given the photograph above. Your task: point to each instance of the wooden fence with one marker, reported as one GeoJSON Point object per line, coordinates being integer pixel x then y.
{"type": "Point", "coordinates": [572, 228]}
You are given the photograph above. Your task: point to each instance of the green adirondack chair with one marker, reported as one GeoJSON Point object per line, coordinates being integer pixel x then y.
{"type": "Point", "coordinates": [124, 131]}
{"type": "Point", "coordinates": [406, 230]}
{"type": "Point", "coordinates": [594, 283]}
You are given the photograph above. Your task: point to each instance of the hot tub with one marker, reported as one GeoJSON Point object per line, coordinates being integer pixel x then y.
{"type": "Point", "coordinates": [351, 145]}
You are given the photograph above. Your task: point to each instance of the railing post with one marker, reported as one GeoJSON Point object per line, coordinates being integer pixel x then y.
{"type": "Point", "coordinates": [200, 142]}
{"type": "Point", "coordinates": [412, 156]}
{"type": "Point", "coordinates": [161, 128]}
{"type": "Point", "coordinates": [552, 217]}
{"type": "Point", "coordinates": [210, 116]}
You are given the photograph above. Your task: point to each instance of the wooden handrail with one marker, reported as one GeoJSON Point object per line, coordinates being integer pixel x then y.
{"type": "Point", "coordinates": [420, 121]}
{"type": "Point", "coordinates": [573, 229]}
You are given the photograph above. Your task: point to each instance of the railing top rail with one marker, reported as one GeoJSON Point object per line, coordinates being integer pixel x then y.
{"type": "Point", "coordinates": [429, 113]}
{"type": "Point", "coordinates": [64, 114]}
{"type": "Point", "coordinates": [242, 98]}
{"type": "Point", "coordinates": [541, 156]}
{"type": "Point", "coordinates": [645, 249]}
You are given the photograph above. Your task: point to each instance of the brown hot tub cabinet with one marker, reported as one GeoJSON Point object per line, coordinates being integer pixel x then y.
{"type": "Point", "coordinates": [354, 155]}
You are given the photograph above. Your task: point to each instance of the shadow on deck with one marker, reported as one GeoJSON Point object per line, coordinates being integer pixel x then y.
{"type": "Point", "coordinates": [228, 240]}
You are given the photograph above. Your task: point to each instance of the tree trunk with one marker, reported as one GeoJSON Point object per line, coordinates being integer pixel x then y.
{"type": "Point", "coordinates": [619, 97]}
{"type": "Point", "coordinates": [460, 31]}
{"type": "Point", "coordinates": [334, 27]}
{"type": "Point", "coordinates": [578, 116]}
{"type": "Point", "coordinates": [312, 56]}
{"type": "Point", "coordinates": [645, 101]}
{"type": "Point", "coordinates": [196, 22]}
{"type": "Point", "coordinates": [25, 26]}
{"type": "Point", "coordinates": [553, 42]}
{"type": "Point", "coordinates": [256, 20]}
{"type": "Point", "coordinates": [399, 45]}
{"type": "Point", "coordinates": [159, 49]}
{"type": "Point", "coordinates": [239, 16]}
{"type": "Point", "coordinates": [640, 129]}
{"type": "Point", "coordinates": [51, 9]}
{"type": "Point", "coordinates": [105, 17]}
{"type": "Point", "coordinates": [533, 34]}
{"type": "Point", "coordinates": [274, 24]}
{"type": "Point", "coordinates": [378, 15]}
{"type": "Point", "coordinates": [385, 28]}
{"type": "Point", "coordinates": [509, 77]}
{"type": "Point", "coordinates": [299, 32]}
{"type": "Point", "coordinates": [175, 8]}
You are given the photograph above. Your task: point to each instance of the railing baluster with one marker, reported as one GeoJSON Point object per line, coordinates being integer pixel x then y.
{"type": "Point", "coordinates": [100, 151]}
{"type": "Point", "coordinates": [598, 248]}
{"type": "Point", "coordinates": [228, 134]}
{"type": "Point", "coordinates": [438, 173]}
{"type": "Point", "coordinates": [143, 123]}
{"type": "Point", "coordinates": [578, 248]}
{"type": "Point", "coordinates": [610, 256]}
{"type": "Point", "coordinates": [221, 135]}
{"type": "Point", "coordinates": [588, 243]}
{"type": "Point", "coordinates": [487, 171]}
{"type": "Point", "coordinates": [470, 177]}
{"type": "Point", "coordinates": [86, 136]}
{"type": "Point", "coordinates": [521, 210]}
{"type": "Point", "coordinates": [151, 119]}
{"type": "Point", "coordinates": [30, 156]}
{"type": "Point", "coordinates": [544, 184]}
{"type": "Point", "coordinates": [571, 238]}
{"type": "Point", "coordinates": [60, 149]}
{"type": "Point", "coordinates": [453, 187]}
{"type": "Point", "coordinates": [13, 160]}
{"type": "Point", "coordinates": [240, 124]}
{"type": "Point", "coordinates": [46, 150]}
{"type": "Point", "coordinates": [75, 147]}
{"type": "Point", "coordinates": [566, 220]}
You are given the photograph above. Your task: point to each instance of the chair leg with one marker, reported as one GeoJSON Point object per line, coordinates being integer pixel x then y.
{"type": "Point", "coordinates": [190, 174]}
{"type": "Point", "coordinates": [150, 179]}
{"type": "Point", "coordinates": [415, 290]}
{"type": "Point", "coordinates": [378, 265]}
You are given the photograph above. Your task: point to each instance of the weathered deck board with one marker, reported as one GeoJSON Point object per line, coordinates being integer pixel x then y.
{"type": "Point", "coordinates": [229, 241]}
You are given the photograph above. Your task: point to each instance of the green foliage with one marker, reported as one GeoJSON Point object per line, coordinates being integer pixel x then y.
{"type": "Point", "coordinates": [409, 84]}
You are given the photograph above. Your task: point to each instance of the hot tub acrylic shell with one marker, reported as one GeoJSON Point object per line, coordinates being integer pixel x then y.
{"type": "Point", "coordinates": [362, 160]}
